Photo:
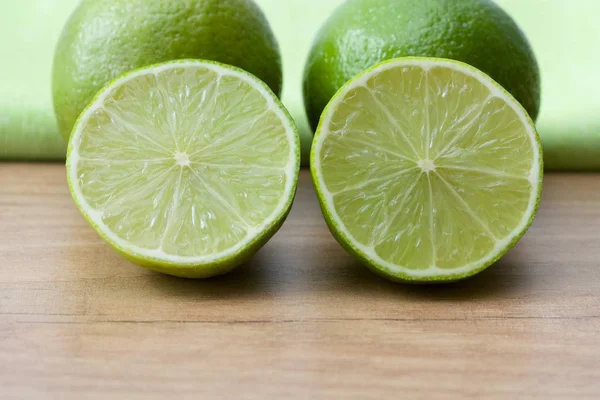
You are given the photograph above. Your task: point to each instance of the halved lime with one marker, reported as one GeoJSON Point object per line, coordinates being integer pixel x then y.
{"type": "Point", "coordinates": [426, 169]}
{"type": "Point", "coordinates": [186, 167]}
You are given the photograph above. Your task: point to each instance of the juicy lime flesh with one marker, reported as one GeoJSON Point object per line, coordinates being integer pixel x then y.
{"type": "Point", "coordinates": [427, 169]}
{"type": "Point", "coordinates": [186, 162]}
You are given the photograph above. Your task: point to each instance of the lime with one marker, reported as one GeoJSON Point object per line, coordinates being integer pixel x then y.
{"type": "Point", "coordinates": [362, 33]}
{"type": "Point", "coordinates": [186, 167]}
{"type": "Point", "coordinates": [104, 39]}
{"type": "Point", "coordinates": [426, 169]}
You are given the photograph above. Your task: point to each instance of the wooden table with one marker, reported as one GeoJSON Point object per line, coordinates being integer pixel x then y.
{"type": "Point", "coordinates": [303, 320]}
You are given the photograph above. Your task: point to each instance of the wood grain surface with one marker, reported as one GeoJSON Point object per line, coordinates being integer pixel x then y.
{"type": "Point", "coordinates": [303, 320]}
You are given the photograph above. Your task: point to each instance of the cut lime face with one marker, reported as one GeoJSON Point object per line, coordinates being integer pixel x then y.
{"type": "Point", "coordinates": [186, 167]}
{"type": "Point", "coordinates": [426, 169]}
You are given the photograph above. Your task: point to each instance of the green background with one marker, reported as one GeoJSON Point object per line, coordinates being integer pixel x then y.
{"type": "Point", "coordinates": [564, 34]}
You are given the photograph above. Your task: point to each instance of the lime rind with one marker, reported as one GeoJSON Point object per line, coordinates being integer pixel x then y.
{"type": "Point", "coordinates": [205, 265]}
{"type": "Point", "coordinates": [366, 254]}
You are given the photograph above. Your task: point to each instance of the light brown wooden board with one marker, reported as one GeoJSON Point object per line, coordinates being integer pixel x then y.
{"type": "Point", "coordinates": [303, 320]}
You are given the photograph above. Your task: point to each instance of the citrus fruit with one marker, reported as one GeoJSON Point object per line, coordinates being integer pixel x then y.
{"type": "Point", "coordinates": [426, 169]}
{"type": "Point", "coordinates": [186, 167]}
{"type": "Point", "coordinates": [104, 39]}
{"type": "Point", "coordinates": [362, 33]}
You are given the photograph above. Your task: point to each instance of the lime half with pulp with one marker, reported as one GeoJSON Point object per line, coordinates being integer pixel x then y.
{"type": "Point", "coordinates": [186, 167]}
{"type": "Point", "coordinates": [426, 169]}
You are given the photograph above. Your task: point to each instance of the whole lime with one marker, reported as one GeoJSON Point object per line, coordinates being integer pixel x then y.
{"type": "Point", "coordinates": [104, 39]}
{"type": "Point", "coordinates": [362, 33]}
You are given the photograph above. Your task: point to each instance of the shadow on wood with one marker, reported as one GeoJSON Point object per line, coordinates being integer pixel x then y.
{"type": "Point", "coordinates": [248, 281]}
{"type": "Point", "coordinates": [506, 279]}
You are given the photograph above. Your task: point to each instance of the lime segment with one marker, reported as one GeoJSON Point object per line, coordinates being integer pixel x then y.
{"type": "Point", "coordinates": [426, 169]}
{"type": "Point", "coordinates": [185, 167]}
